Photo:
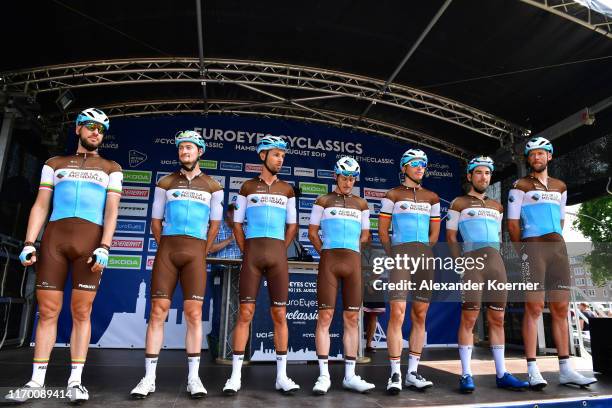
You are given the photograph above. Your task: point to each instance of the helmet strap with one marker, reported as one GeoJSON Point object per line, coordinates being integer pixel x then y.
{"type": "Point", "coordinates": [265, 162]}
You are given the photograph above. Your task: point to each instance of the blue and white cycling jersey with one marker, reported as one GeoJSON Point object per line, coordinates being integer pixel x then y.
{"type": "Point", "coordinates": [342, 218]}
{"type": "Point", "coordinates": [411, 210]}
{"type": "Point", "coordinates": [478, 221]}
{"type": "Point", "coordinates": [80, 184]}
{"type": "Point", "coordinates": [540, 208]}
{"type": "Point", "coordinates": [186, 206]}
{"type": "Point", "coordinates": [267, 208]}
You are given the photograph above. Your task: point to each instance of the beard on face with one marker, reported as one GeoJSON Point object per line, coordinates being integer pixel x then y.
{"type": "Point", "coordinates": [539, 168]}
{"type": "Point", "coordinates": [87, 145]}
{"type": "Point", "coordinates": [478, 189]}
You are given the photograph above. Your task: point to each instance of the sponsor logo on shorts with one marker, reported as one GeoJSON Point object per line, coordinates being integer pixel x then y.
{"type": "Point", "coordinates": [230, 166]}
{"type": "Point", "coordinates": [136, 158]}
{"type": "Point", "coordinates": [304, 235]}
{"type": "Point", "coordinates": [82, 286]}
{"type": "Point", "coordinates": [131, 226]}
{"type": "Point", "coordinates": [196, 297]}
{"type": "Point", "coordinates": [137, 176]}
{"type": "Point", "coordinates": [136, 193]}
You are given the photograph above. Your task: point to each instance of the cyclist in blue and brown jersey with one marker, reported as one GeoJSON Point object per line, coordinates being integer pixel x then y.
{"type": "Point", "coordinates": [268, 205]}
{"type": "Point", "coordinates": [83, 191]}
{"type": "Point", "coordinates": [536, 211]}
{"type": "Point", "coordinates": [478, 219]}
{"type": "Point", "coordinates": [414, 213]}
{"type": "Point", "coordinates": [186, 202]}
{"type": "Point", "coordinates": [344, 220]}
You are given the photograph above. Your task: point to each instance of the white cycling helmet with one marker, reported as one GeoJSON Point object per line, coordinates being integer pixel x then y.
{"type": "Point", "coordinates": [347, 166]}
{"type": "Point", "coordinates": [93, 115]}
{"type": "Point", "coordinates": [412, 154]}
{"type": "Point", "coordinates": [480, 161]}
{"type": "Point", "coordinates": [190, 136]}
{"type": "Point", "coordinates": [271, 142]}
{"type": "Point", "coordinates": [538, 143]}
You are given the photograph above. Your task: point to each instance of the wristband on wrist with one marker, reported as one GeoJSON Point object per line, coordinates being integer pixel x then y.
{"type": "Point", "coordinates": [28, 243]}
{"type": "Point", "coordinates": [105, 247]}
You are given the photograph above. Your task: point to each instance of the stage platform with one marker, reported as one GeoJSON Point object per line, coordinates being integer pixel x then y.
{"type": "Point", "coordinates": [110, 375]}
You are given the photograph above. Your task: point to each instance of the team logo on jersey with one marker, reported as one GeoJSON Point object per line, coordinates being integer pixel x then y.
{"type": "Point", "coordinates": [471, 213]}
{"type": "Point", "coordinates": [61, 174]}
{"type": "Point", "coordinates": [448, 217]}
{"type": "Point", "coordinates": [176, 194]}
{"type": "Point", "coordinates": [254, 200]}
{"type": "Point", "coordinates": [535, 197]}
{"type": "Point", "coordinates": [333, 212]}
{"type": "Point", "coordinates": [511, 198]}
{"type": "Point", "coordinates": [404, 206]}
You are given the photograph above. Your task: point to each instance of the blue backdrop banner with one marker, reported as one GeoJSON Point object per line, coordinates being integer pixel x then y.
{"type": "Point", "coordinates": [145, 148]}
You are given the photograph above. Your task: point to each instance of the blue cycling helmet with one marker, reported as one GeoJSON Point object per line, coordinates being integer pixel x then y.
{"type": "Point", "coordinates": [190, 136]}
{"type": "Point", "coordinates": [480, 161]}
{"type": "Point", "coordinates": [538, 143]}
{"type": "Point", "coordinates": [347, 166]}
{"type": "Point", "coordinates": [271, 142]}
{"type": "Point", "coordinates": [412, 154]}
{"type": "Point", "coordinates": [93, 115]}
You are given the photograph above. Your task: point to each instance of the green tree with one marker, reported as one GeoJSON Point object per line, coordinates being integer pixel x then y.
{"type": "Point", "coordinates": [595, 222]}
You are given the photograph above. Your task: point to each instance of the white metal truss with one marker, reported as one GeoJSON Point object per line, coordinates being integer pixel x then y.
{"type": "Point", "coordinates": [279, 110]}
{"type": "Point", "coordinates": [576, 13]}
{"type": "Point", "coordinates": [259, 74]}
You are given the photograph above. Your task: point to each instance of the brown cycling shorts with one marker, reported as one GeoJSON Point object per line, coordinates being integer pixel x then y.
{"type": "Point", "coordinates": [339, 264]}
{"type": "Point", "coordinates": [68, 242]}
{"type": "Point", "coordinates": [264, 257]}
{"type": "Point", "coordinates": [424, 273]}
{"type": "Point", "coordinates": [545, 263]}
{"type": "Point", "coordinates": [489, 266]}
{"type": "Point", "coordinates": [179, 257]}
